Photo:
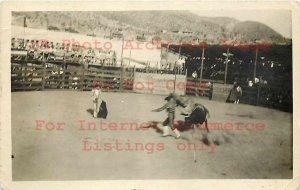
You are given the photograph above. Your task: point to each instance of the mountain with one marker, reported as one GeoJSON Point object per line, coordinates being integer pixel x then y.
{"type": "Point", "coordinates": [171, 26]}
{"type": "Point", "coordinates": [253, 30]}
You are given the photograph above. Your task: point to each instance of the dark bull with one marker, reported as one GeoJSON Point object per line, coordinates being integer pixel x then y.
{"type": "Point", "coordinates": [198, 115]}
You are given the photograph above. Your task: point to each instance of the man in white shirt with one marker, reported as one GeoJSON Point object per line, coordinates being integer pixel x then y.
{"type": "Point", "coordinates": [96, 95]}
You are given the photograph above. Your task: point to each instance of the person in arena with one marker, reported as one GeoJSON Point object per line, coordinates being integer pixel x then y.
{"type": "Point", "coordinates": [170, 106]}
{"type": "Point", "coordinates": [97, 99]}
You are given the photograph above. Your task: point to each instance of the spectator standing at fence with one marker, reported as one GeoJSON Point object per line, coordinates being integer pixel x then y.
{"type": "Point", "coordinates": [179, 65]}
{"type": "Point", "coordinates": [96, 96]}
{"type": "Point", "coordinates": [236, 92]}
{"type": "Point", "coordinates": [194, 75]}
{"type": "Point", "coordinates": [250, 83]}
{"type": "Point", "coordinates": [239, 94]}
{"type": "Point", "coordinates": [183, 65]}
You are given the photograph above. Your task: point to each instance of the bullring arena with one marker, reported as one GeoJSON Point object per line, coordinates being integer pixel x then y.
{"type": "Point", "coordinates": [55, 137]}
{"type": "Point", "coordinates": [49, 153]}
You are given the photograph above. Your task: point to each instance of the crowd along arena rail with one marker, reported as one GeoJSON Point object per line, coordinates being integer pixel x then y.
{"type": "Point", "coordinates": [41, 74]}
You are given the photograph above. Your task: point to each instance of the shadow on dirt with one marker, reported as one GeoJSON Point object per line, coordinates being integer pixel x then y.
{"type": "Point", "coordinates": [90, 111]}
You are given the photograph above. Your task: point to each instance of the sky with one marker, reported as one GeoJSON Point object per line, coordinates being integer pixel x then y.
{"type": "Point", "coordinates": [278, 20]}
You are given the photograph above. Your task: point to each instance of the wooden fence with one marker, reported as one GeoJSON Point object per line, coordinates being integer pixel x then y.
{"type": "Point", "coordinates": [41, 76]}
{"type": "Point", "coordinates": [39, 73]}
{"type": "Point", "coordinates": [199, 88]}
{"type": "Point", "coordinates": [268, 96]}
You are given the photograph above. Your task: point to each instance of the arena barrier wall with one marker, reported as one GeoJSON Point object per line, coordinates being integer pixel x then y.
{"type": "Point", "coordinates": [42, 76]}
{"type": "Point", "coordinates": [39, 73]}
{"type": "Point", "coordinates": [221, 92]}
{"type": "Point", "coordinates": [162, 84]}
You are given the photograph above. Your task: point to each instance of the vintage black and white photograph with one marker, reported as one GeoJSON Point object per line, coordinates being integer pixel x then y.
{"type": "Point", "coordinates": [151, 95]}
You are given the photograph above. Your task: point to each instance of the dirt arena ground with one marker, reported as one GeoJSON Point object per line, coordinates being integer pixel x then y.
{"type": "Point", "coordinates": [261, 147]}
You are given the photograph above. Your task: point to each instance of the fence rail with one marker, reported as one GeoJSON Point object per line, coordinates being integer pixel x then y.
{"type": "Point", "coordinates": [199, 88]}
{"type": "Point", "coordinates": [39, 71]}
{"type": "Point", "coordinates": [39, 75]}
{"type": "Point", "coordinates": [43, 75]}
{"type": "Point", "coordinates": [52, 75]}
{"type": "Point", "coordinates": [268, 96]}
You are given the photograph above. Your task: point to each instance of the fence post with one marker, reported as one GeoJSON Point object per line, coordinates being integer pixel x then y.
{"type": "Point", "coordinates": [121, 79]}
{"type": "Point", "coordinates": [258, 94]}
{"type": "Point", "coordinates": [64, 71]}
{"type": "Point", "coordinates": [202, 59]}
{"type": "Point", "coordinates": [82, 78]}
{"type": "Point", "coordinates": [101, 75]}
{"type": "Point", "coordinates": [211, 91]}
{"type": "Point", "coordinates": [26, 61]}
{"type": "Point", "coordinates": [44, 73]}
{"type": "Point", "coordinates": [186, 82]}
{"type": "Point", "coordinates": [174, 90]}
{"type": "Point", "coordinates": [133, 78]}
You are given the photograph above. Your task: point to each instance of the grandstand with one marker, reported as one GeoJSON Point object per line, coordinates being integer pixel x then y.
{"type": "Point", "coordinates": [59, 61]}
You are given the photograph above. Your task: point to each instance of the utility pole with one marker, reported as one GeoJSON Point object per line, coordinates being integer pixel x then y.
{"type": "Point", "coordinates": [226, 66]}
{"type": "Point", "coordinates": [202, 60]}
{"type": "Point", "coordinates": [161, 56]}
{"type": "Point", "coordinates": [121, 81]}
{"type": "Point", "coordinates": [122, 52]}
{"type": "Point", "coordinates": [174, 90]}
{"type": "Point", "coordinates": [179, 49]}
{"type": "Point", "coordinates": [175, 68]}
{"type": "Point", "coordinates": [179, 58]}
{"type": "Point", "coordinates": [167, 53]}
{"type": "Point", "coordinates": [255, 62]}
{"type": "Point", "coordinates": [129, 57]}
